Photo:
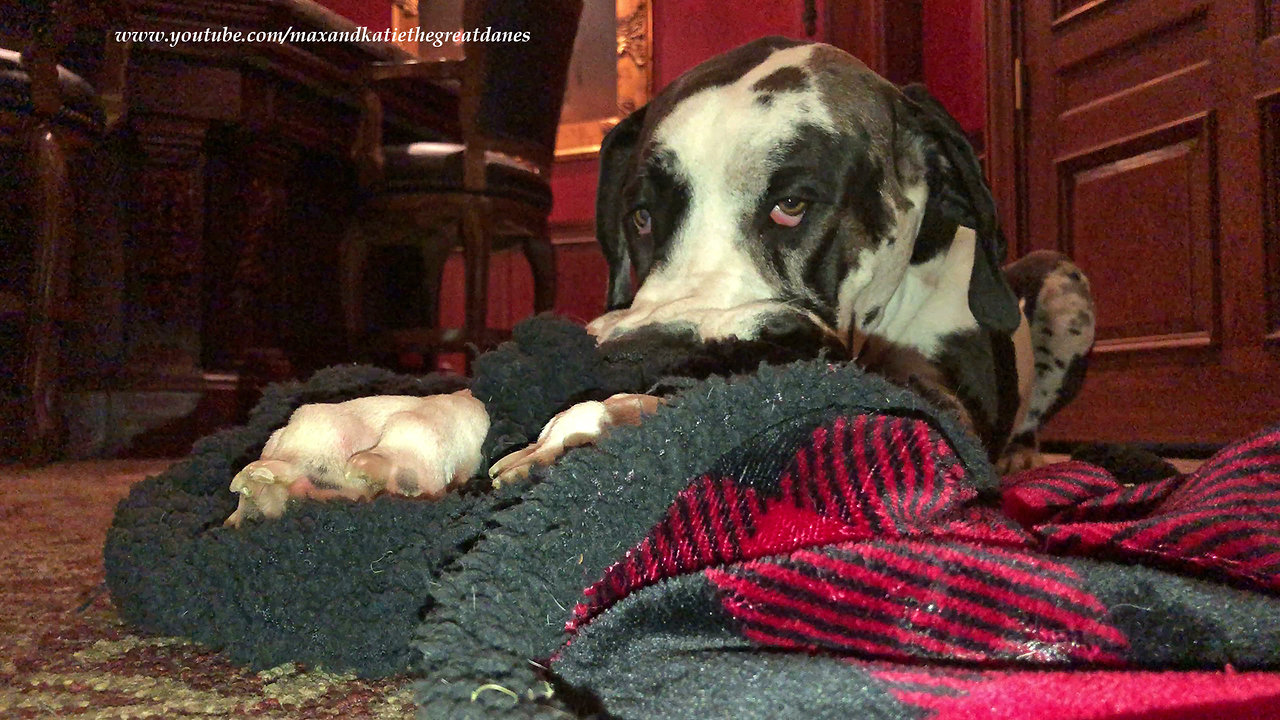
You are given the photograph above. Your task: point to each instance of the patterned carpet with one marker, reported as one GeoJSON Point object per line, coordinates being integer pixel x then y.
{"type": "Point", "coordinates": [64, 652]}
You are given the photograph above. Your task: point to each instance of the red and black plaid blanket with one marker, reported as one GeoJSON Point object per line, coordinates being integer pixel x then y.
{"type": "Point", "coordinates": [847, 566]}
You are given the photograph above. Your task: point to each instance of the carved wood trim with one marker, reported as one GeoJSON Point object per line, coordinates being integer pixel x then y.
{"type": "Point", "coordinates": [166, 245]}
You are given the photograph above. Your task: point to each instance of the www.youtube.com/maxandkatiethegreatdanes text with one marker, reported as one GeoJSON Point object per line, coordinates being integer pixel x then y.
{"type": "Point", "coordinates": [435, 38]}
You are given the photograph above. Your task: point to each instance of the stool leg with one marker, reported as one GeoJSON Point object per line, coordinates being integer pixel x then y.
{"type": "Point", "coordinates": [435, 254]}
{"type": "Point", "coordinates": [542, 264]}
{"type": "Point", "coordinates": [434, 258]}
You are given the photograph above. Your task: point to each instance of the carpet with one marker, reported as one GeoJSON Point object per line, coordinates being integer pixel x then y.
{"type": "Point", "coordinates": [65, 653]}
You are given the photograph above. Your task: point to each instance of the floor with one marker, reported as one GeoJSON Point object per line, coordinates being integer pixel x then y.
{"type": "Point", "coordinates": [64, 652]}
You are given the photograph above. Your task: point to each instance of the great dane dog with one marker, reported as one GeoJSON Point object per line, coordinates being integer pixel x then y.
{"type": "Point", "coordinates": [780, 191]}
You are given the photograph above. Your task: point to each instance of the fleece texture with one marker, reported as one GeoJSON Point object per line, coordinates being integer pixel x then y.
{"type": "Point", "coordinates": [337, 585]}
{"type": "Point", "coordinates": [811, 541]}
{"type": "Point", "coordinates": [797, 540]}
{"type": "Point", "coordinates": [342, 585]}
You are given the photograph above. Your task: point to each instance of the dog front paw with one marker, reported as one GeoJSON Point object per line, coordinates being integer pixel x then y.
{"type": "Point", "coordinates": [263, 487]}
{"type": "Point", "coordinates": [1017, 458]}
{"type": "Point", "coordinates": [581, 424]}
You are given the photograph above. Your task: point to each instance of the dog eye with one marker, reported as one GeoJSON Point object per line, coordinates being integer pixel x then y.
{"type": "Point", "coordinates": [788, 212]}
{"type": "Point", "coordinates": [643, 221]}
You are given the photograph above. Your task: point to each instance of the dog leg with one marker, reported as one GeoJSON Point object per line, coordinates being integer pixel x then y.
{"type": "Point", "coordinates": [1059, 307]}
{"type": "Point", "coordinates": [579, 425]}
{"type": "Point", "coordinates": [356, 449]}
{"type": "Point", "coordinates": [907, 367]}
{"type": "Point", "coordinates": [423, 453]}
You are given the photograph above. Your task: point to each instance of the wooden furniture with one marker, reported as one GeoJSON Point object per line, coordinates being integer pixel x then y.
{"type": "Point", "coordinates": [487, 192]}
{"type": "Point", "coordinates": [1143, 143]}
{"type": "Point", "coordinates": [210, 217]}
{"type": "Point", "coordinates": [47, 113]}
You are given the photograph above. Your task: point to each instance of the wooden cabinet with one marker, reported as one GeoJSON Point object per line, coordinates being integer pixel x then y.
{"type": "Point", "coordinates": [1147, 133]}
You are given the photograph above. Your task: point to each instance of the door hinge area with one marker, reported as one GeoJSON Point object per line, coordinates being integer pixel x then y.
{"type": "Point", "coordinates": [1019, 85]}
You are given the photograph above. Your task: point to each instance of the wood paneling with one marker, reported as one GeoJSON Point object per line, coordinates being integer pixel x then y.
{"type": "Point", "coordinates": [1166, 183]}
{"type": "Point", "coordinates": [1167, 49]}
{"type": "Point", "coordinates": [1269, 115]}
{"type": "Point", "coordinates": [1148, 139]}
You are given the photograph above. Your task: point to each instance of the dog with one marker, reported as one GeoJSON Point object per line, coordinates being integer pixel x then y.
{"type": "Point", "coordinates": [782, 192]}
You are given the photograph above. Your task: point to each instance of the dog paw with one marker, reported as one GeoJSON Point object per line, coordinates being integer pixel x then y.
{"type": "Point", "coordinates": [263, 487]}
{"type": "Point", "coordinates": [413, 446]}
{"type": "Point", "coordinates": [581, 424]}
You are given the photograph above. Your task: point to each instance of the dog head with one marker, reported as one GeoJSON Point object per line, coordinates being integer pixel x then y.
{"type": "Point", "coordinates": [785, 191]}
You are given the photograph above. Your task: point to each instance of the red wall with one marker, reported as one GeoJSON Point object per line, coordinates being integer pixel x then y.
{"type": "Point", "coordinates": [954, 47]}
{"type": "Point", "coordinates": [373, 14]}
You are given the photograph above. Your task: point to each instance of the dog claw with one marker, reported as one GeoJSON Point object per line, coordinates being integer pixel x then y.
{"type": "Point", "coordinates": [519, 464]}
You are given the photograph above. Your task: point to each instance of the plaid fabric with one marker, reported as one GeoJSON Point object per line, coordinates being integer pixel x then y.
{"type": "Point", "coordinates": [859, 539]}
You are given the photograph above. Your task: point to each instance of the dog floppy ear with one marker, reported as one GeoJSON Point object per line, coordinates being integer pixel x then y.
{"type": "Point", "coordinates": [959, 195]}
{"type": "Point", "coordinates": [616, 153]}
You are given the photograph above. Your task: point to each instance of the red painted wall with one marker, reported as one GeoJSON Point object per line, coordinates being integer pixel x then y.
{"type": "Point", "coordinates": [373, 14]}
{"type": "Point", "coordinates": [954, 46]}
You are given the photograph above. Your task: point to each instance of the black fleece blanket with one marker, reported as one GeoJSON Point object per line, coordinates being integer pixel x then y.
{"type": "Point", "coordinates": [800, 541]}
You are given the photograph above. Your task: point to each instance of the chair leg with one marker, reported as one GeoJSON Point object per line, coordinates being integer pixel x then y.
{"type": "Point", "coordinates": [434, 258]}
{"type": "Point", "coordinates": [435, 255]}
{"type": "Point", "coordinates": [51, 202]}
{"type": "Point", "coordinates": [475, 239]}
{"type": "Point", "coordinates": [542, 264]}
{"type": "Point", "coordinates": [352, 257]}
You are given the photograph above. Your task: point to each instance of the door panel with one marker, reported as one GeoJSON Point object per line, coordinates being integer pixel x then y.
{"type": "Point", "coordinates": [1150, 126]}
{"type": "Point", "coordinates": [1166, 223]}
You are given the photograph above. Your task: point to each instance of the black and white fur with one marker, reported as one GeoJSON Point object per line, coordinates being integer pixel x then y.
{"type": "Point", "coordinates": [899, 245]}
{"type": "Point", "coordinates": [780, 192]}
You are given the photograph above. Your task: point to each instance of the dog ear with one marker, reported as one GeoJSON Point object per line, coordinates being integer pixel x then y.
{"type": "Point", "coordinates": [959, 195]}
{"type": "Point", "coordinates": [616, 153]}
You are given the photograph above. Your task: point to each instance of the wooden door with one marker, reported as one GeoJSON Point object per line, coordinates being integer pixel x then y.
{"type": "Point", "coordinates": [1151, 151]}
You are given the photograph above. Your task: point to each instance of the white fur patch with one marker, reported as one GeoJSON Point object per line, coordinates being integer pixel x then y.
{"type": "Point", "coordinates": [925, 302]}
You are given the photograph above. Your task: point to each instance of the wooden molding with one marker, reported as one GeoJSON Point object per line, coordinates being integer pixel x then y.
{"type": "Point", "coordinates": [1004, 128]}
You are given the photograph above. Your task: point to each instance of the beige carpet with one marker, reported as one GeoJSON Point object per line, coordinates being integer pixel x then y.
{"type": "Point", "coordinates": [65, 653]}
